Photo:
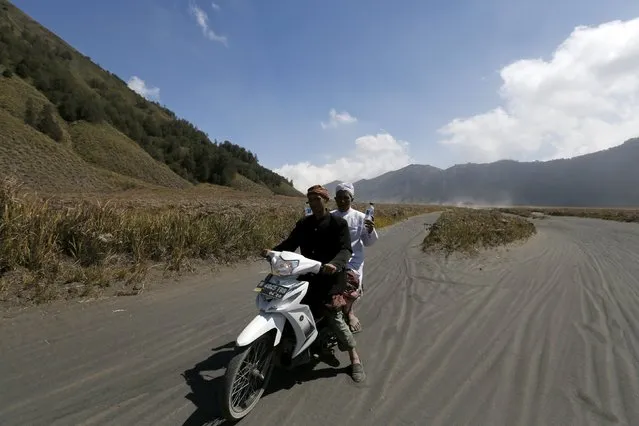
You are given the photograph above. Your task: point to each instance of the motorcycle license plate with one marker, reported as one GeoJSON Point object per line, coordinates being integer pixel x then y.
{"type": "Point", "coordinates": [270, 289]}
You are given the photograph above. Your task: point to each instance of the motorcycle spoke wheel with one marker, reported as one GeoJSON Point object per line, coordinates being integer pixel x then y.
{"type": "Point", "coordinates": [247, 377]}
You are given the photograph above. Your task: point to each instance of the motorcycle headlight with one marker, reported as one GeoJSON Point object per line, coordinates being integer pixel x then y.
{"type": "Point", "coordinates": [284, 267]}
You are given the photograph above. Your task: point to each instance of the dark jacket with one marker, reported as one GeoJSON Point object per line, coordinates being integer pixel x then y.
{"type": "Point", "coordinates": [326, 240]}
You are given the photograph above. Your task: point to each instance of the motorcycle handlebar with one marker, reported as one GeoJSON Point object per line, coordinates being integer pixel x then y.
{"type": "Point", "coordinates": [268, 255]}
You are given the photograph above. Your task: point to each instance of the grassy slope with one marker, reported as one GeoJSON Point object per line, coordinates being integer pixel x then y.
{"type": "Point", "coordinates": [104, 146]}
{"type": "Point", "coordinates": [241, 183]}
{"type": "Point", "coordinates": [44, 164]}
{"type": "Point", "coordinates": [48, 166]}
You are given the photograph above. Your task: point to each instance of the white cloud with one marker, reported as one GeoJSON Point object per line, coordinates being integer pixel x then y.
{"type": "Point", "coordinates": [139, 86]}
{"type": "Point", "coordinates": [372, 156]}
{"type": "Point", "coordinates": [337, 118]}
{"type": "Point", "coordinates": [202, 20]}
{"type": "Point", "coordinates": [584, 99]}
{"type": "Point", "coordinates": [215, 6]}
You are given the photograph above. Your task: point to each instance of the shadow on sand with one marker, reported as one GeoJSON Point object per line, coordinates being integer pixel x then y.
{"type": "Point", "coordinates": [207, 390]}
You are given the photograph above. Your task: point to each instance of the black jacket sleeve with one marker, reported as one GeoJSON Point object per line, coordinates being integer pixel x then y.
{"type": "Point", "coordinates": [346, 250]}
{"type": "Point", "coordinates": [293, 241]}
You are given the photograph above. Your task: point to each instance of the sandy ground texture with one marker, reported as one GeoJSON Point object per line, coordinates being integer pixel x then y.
{"type": "Point", "coordinates": [545, 333]}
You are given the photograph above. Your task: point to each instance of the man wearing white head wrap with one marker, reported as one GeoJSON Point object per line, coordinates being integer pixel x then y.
{"type": "Point", "coordinates": [348, 187]}
{"type": "Point", "coordinates": [363, 234]}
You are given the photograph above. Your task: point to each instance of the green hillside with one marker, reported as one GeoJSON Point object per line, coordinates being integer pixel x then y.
{"type": "Point", "coordinates": [54, 100]}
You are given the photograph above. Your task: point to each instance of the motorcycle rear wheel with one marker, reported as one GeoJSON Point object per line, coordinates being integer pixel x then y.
{"type": "Point", "coordinates": [247, 377]}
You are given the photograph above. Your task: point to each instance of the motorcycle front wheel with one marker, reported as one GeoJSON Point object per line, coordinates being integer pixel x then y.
{"type": "Point", "coordinates": [247, 376]}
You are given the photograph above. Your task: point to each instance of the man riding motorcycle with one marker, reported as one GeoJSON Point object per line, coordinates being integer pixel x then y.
{"type": "Point", "coordinates": [325, 238]}
{"type": "Point", "coordinates": [363, 234]}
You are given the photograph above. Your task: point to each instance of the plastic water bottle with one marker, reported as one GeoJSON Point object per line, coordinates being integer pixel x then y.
{"type": "Point", "coordinates": [370, 212]}
{"type": "Point", "coordinates": [307, 210]}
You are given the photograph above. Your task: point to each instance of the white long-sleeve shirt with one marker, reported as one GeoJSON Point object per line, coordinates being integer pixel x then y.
{"type": "Point", "coordinates": [360, 237]}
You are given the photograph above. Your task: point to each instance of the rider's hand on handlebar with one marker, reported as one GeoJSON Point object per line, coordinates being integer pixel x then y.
{"type": "Point", "coordinates": [264, 252]}
{"type": "Point", "coordinates": [329, 269]}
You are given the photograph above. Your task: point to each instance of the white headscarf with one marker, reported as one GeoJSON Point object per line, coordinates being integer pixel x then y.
{"type": "Point", "coordinates": [346, 186]}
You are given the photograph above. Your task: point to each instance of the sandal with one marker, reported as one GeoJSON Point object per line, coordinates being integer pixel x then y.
{"type": "Point", "coordinates": [357, 373]}
{"type": "Point", "coordinates": [355, 326]}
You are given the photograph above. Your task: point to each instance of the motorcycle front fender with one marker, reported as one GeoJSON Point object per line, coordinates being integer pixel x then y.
{"type": "Point", "coordinates": [260, 325]}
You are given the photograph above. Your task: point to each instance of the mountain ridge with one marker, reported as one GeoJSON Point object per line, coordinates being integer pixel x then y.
{"type": "Point", "coordinates": [604, 178]}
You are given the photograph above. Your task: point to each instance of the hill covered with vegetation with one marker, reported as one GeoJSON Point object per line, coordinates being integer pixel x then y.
{"type": "Point", "coordinates": [67, 124]}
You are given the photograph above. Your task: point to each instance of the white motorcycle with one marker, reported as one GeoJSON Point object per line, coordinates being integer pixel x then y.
{"type": "Point", "coordinates": [284, 334]}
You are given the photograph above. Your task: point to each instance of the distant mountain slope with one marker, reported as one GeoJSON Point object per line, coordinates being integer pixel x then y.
{"type": "Point", "coordinates": [92, 116]}
{"type": "Point", "coordinates": [604, 178]}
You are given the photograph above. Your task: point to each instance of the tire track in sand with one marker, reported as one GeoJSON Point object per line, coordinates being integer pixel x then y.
{"type": "Point", "coordinates": [611, 356]}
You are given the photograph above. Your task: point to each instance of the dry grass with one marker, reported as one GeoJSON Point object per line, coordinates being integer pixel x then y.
{"type": "Point", "coordinates": [616, 214]}
{"type": "Point", "coordinates": [94, 156]}
{"type": "Point", "coordinates": [105, 147]}
{"type": "Point", "coordinates": [14, 95]}
{"type": "Point", "coordinates": [48, 166]}
{"type": "Point", "coordinates": [469, 230]}
{"type": "Point", "coordinates": [246, 185]}
{"type": "Point", "coordinates": [65, 248]}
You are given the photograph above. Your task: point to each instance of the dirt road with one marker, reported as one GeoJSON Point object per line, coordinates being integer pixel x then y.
{"type": "Point", "coordinates": [542, 334]}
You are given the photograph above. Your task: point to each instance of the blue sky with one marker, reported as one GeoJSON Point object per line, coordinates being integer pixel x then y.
{"type": "Point", "coordinates": [403, 68]}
